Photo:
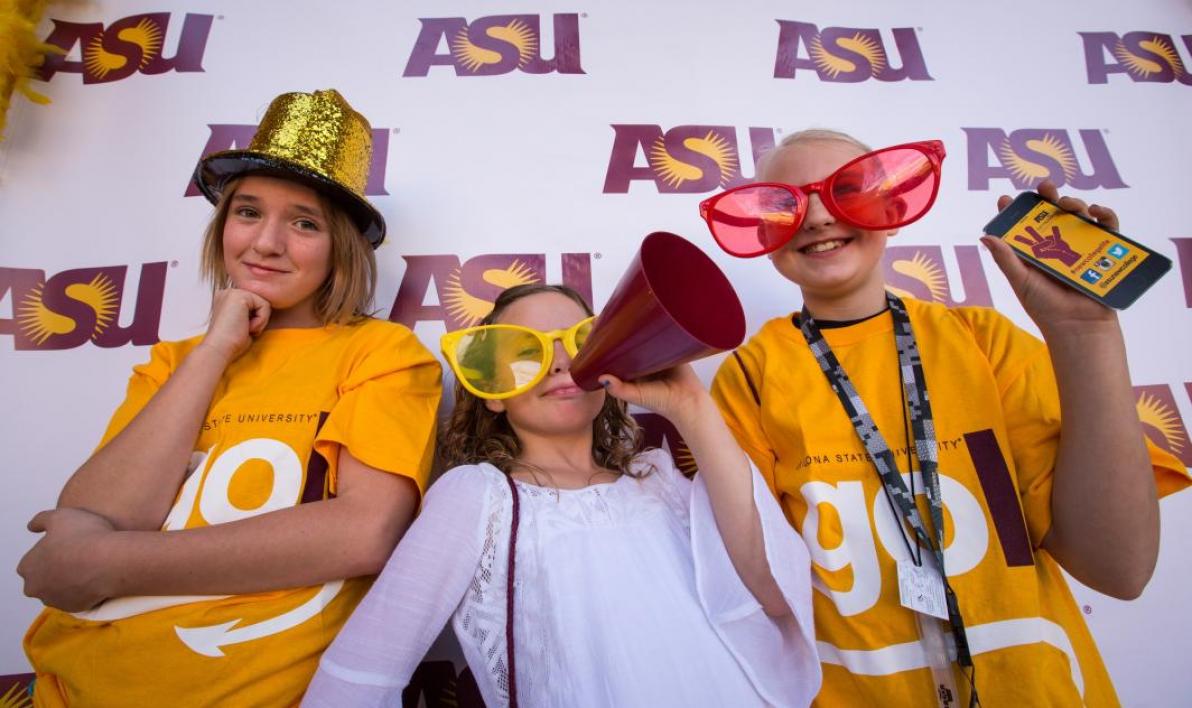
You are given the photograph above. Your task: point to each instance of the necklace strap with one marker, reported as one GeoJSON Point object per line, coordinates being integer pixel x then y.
{"type": "Point", "coordinates": [924, 448]}
{"type": "Point", "coordinates": [510, 666]}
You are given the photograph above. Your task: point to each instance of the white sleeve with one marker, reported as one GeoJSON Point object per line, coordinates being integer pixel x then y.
{"type": "Point", "coordinates": [385, 639]}
{"type": "Point", "coordinates": [778, 654]}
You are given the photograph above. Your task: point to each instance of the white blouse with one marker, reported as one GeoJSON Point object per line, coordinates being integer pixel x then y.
{"type": "Point", "coordinates": [625, 596]}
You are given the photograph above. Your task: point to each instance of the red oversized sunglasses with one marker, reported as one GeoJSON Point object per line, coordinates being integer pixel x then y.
{"type": "Point", "coordinates": [883, 189]}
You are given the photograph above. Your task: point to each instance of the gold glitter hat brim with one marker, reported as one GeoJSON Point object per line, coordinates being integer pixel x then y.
{"type": "Point", "coordinates": [317, 139]}
{"type": "Point", "coordinates": [214, 171]}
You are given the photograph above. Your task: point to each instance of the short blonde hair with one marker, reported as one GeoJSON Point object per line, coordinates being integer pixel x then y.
{"type": "Point", "coordinates": [345, 296]}
{"type": "Point", "coordinates": [811, 135]}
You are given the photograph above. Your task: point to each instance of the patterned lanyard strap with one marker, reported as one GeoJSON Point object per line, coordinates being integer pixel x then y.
{"type": "Point", "coordinates": [923, 429]}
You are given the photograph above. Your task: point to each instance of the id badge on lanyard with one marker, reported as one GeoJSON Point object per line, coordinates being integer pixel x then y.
{"type": "Point", "coordinates": [935, 644]}
{"type": "Point", "coordinates": [922, 589]}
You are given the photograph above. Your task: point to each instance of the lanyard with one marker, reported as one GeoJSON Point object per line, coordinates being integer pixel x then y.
{"type": "Point", "coordinates": [923, 428]}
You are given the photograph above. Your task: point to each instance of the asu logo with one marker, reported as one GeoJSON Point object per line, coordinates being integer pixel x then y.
{"type": "Point", "coordinates": [494, 45]}
{"type": "Point", "coordinates": [75, 306]}
{"type": "Point", "coordinates": [1183, 248]}
{"type": "Point", "coordinates": [918, 272]}
{"type": "Point", "coordinates": [847, 54]}
{"type": "Point", "coordinates": [659, 432]}
{"type": "Point", "coordinates": [17, 691]}
{"type": "Point", "coordinates": [1161, 420]}
{"type": "Point", "coordinates": [1143, 56]}
{"type": "Point", "coordinates": [133, 44]}
{"type": "Point", "coordinates": [234, 136]}
{"type": "Point", "coordinates": [687, 159]}
{"type": "Point", "coordinates": [466, 291]}
{"type": "Point", "coordinates": [1028, 156]}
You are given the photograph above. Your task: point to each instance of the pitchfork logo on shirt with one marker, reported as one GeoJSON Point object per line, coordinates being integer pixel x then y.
{"type": "Point", "coordinates": [237, 136]}
{"type": "Point", "coordinates": [919, 272]}
{"type": "Point", "coordinates": [1143, 56]}
{"type": "Point", "coordinates": [494, 45]}
{"type": "Point", "coordinates": [125, 47]}
{"type": "Point", "coordinates": [847, 54]}
{"type": "Point", "coordinates": [1162, 421]}
{"type": "Point", "coordinates": [68, 309]}
{"type": "Point", "coordinates": [685, 159]}
{"type": "Point", "coordinates": [465, 292]}
{"type": "Point", "coordinates": [1028, 156]}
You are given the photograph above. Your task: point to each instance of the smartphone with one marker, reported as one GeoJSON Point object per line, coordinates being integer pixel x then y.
{"type": "Point", "coordinates": [1078, 252]}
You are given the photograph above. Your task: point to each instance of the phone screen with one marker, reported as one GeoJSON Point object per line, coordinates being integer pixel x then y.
{"type": "Point", "coordinates": [1091, 258]}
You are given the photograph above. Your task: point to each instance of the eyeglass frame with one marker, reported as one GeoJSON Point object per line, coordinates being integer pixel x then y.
{"type": "Point", "coordinates": [932, 149]}
{"type": "Point", "coordinates": [449, 342]}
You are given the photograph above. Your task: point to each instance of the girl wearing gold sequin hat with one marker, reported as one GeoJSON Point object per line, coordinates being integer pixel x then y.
{"type": "Point", "coordinates": [313, 138]}
{"type": "Point", "coordinates": [256, 476]}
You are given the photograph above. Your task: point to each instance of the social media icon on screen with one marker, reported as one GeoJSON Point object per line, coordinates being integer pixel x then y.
{"type": "Point", "coordinates": [1105, 263]}
{"type": "Point", "coordinates": [1118, 251]}
{"type": "Point", "coordinates": [1091, 276]}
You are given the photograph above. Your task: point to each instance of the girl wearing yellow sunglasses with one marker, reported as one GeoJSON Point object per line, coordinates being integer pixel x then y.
{"type": "Point", "coordinates": [577, 568]}
{"type": "Point", "coordinates": [499, 361]}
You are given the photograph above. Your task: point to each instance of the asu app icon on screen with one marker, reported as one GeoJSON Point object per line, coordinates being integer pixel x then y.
{"type": "Point", "coordinates": [1096, 261]}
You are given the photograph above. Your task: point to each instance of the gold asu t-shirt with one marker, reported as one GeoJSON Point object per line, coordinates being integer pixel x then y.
{"type": "Point", "coordinates": [270, 440]}
{"type": "Point", "coordinates": [997, 421]}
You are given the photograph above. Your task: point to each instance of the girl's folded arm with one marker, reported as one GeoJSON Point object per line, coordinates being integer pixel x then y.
{"type": "Point", "coordinates": [376, 653]}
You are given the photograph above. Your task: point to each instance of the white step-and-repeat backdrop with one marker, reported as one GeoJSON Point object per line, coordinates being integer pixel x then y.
{"type": "Point", "coordinates": [529, 140]}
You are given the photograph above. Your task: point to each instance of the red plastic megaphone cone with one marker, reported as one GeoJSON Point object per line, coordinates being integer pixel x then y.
{"type": "Point", "coordinates": [672, 306]}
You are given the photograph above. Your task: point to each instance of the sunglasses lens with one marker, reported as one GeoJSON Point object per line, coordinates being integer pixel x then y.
{"type": "Point", "coordinates": [497, 360]}
{"type": "Point", "coordinates": [581, 334]}
{"type": "Point", "coordinates": [753, 220]}
{"type": "Point", "coordinates": [887, 188]}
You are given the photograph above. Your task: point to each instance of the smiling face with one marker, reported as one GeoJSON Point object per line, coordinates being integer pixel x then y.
{"type": "Point", "coordinates": [837, 266]}
{"type": "Point", "coordinates": [276, 244]}
{"type": "Point", "coordinates": [556, 405]}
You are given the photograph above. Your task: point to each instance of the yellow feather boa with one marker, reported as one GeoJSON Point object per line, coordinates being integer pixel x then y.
{"type": "Point", "coordinates": [21, 51]}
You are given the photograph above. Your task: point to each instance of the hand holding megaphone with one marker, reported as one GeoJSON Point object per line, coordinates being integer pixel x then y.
{"type": "Point", "coordinates": [673, 305]}
{"type": "Point", "coordinates": [676, 394]}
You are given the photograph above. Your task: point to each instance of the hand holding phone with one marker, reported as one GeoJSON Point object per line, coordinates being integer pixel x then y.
{"type": "Point", "coordinates": [1058, 237]}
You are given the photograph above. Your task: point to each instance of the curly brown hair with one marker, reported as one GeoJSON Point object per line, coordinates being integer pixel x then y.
{"type": "Point", "coordinates": [474, 434]}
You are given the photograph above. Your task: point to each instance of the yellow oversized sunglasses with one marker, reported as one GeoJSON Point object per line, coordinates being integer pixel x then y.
{"type": "Point", "coordinates": [499, 361]}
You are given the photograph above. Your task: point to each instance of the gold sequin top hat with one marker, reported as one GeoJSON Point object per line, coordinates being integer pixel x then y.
{"type": "Point", "coordinates": [314, 138]}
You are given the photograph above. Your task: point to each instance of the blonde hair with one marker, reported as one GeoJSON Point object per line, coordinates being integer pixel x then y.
{"type": "Point", "coordinates": [810, 135]}
{"type": "Point", "coordinates": [347, 293]}
{"type": "Point", "coordinates": [474, 434]}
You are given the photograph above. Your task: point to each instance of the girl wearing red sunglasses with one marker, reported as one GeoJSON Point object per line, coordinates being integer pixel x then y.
{"type": "Point", "coordinates": [1034, 451]}
{"type": "Point", "coordinates": [826, 222]}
